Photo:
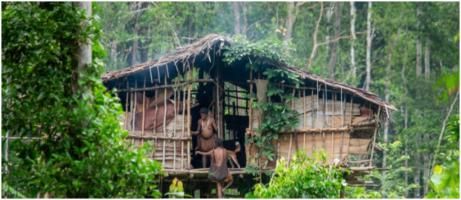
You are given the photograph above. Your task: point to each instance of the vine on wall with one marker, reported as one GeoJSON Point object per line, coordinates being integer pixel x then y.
{"type": "Point", "coordinates": [276, 112]}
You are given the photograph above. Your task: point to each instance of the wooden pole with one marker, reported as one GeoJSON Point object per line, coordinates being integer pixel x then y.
{"type": "Point", "coordinates": [143, 112]}
{"type": "Point", "coordinates": [374, 138]}
{"type": "Point", "coordinates": [174, 126]}
{"type": "Point", "coordinates": [304, 119]}
{"type": "Point", "coordinates": [127, 120]}
{"type": "Point", "coordinates": [350, 114]}
{"type": "Point", "coordinates": [183, 125]}
{"type": "Point", "coordinates": [189, 118]}
{"type": "Point", "coordinates": [134, 109]}
{"type": "Point", "coordinates": [164, 123]}
{"type": "Point", "coordinates": [304, 108]}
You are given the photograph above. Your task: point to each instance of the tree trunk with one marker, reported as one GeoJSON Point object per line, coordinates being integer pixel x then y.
{"type": "Point", "coordinates": [426, 171]}
{"type": "Point", "coordinates": [418, 58]}
{"type": "Point", "coordinates": [427, 57]}
{"type": "Point", "coordinates": [236, 9]}
{"type": "Point", "coordinates": [405, 126]}
{"type": "Point", "coordinates": [133, 59]}
{"type": "Point", "coordinates": [245, 18]}
{"type": "Point", "coordinates": [291, 17]}
{"type": "Point", "coordinates": [335, 45]}
{"type": "Point", "coordinates": [418, 44]}
{"type": "Point", "coordinates": [353, 65]}
{"type": "Point", "coordinates": [369, 43]}
{"type": "Point", "coordinates": [417, 171]}
{"type": "Point", "coordinates": [314, 37]}
{"type": "Point", "coordinates": [83, 55]}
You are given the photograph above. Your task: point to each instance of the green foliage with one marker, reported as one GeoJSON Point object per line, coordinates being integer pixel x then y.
{"type": "Point", "coordinates": [303, 177]}
{"type": "Point", "coordinates": [444, 182]}
{"type": "Point", "coordinates": [257, 52]}
{"type": "Point", "coordinates": [79, 148]}
{"type": "Point", "coordinates": [361, 193]}
{"type": "Point", "coordinates": [388, 188]}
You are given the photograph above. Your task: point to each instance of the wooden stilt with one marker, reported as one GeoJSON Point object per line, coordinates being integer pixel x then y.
{"type": "Point", "coordinates": [183, 126]}
{"type": "Point", "coordinates": [313, 108]}
{"type": "Point", "coordinates": [304, 108]}
{"type": "Point", "coordinates": [127, 120]}
{"type": "Point", "coordinates": [304, 119]}
{"type": "Point", "coordinates": [174, 127]}
{"type": "Point", "coordinates": [134, 110]}
{"type": "Point", "coordinates": [350, 114]}
{"type": "Point", "coordinates": [189, 119]}
{"type": "Point", "coordinates": [143, 112]}
{"type": "Point", "coordinates": [343, 125]}
{"type": "Point", "coordinates": [164, 121]}
{"type": "Point", "coordinates": [374, 138]}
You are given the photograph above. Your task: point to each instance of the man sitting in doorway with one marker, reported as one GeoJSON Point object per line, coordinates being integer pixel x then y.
{"type": "Point", "coordinates": [206, 139]}
{"type": "Point", "coordinates": [219, 173]}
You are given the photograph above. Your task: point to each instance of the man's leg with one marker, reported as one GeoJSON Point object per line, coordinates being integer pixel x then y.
{"type": "Point", "coordinates": [229, 181]}
{"type": "Point", "coordinates": [204, 161]}
{"type": "Point", "coordinates": [219, 189]}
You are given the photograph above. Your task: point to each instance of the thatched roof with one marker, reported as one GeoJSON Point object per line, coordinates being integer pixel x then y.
{"type": "Point", "coordinates": [204, 52]}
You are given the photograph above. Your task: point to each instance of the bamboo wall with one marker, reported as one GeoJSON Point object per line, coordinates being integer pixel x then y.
{"type": "Point", "coordinates": [327, 121]}
{"type": "Point", "coordinates": [163, 121]}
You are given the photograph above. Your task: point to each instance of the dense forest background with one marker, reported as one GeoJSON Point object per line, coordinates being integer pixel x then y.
{"type": "Point", "coordinates": [61, 135]}
{"type": "Point", "coordinates": [407, 53]}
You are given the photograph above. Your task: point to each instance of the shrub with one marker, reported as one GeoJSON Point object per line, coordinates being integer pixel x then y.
{"type": "Point", "coordinates": [304, 177]}
{"type": "Point", "coordinates": [79, 147]}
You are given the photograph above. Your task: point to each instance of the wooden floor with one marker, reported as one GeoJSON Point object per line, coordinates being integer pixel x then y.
{"type": "Point", "coordinates": [200, 172]}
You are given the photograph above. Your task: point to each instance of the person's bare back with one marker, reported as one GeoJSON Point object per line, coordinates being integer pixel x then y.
{"type": "Point", "coordinates": [218, 171]}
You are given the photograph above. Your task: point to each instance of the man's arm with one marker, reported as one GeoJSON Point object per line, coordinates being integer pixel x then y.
{"type": "Point", "coordinates": [204, 153]}
{"type": "Point", "coordinates": [199, 127]}
{"type": "Point", "coordinates": [213, 123]}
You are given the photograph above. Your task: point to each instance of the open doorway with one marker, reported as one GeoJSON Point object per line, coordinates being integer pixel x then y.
{"type": "Point", "coordinates": [234, 106]}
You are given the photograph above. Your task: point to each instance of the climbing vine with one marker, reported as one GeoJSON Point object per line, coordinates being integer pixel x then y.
{"type": "Point", "coordinates": [276, 112]}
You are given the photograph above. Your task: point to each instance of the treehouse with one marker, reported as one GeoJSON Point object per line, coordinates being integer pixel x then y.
{"type": "Point", "coordinates": [162, 98]}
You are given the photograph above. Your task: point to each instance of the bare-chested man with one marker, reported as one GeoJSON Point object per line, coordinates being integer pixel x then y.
{"type": "Point", "coordinates": [219, 173]}
{"type": "Point", "coordinates": [206, 139]}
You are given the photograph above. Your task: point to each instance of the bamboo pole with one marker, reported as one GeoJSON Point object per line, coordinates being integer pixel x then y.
{"type": "Point", "coordinates": [343, 110]}
{"type": "Point", "coordinates": [324, 117]}
{"type": "Point", "coordinates": [127, 120]}
{"type": "Point", "coordinates": [156, 112]}
{"type": "Point", "coordinates": [143, 112]}
{"type": "Point", "coordinates": [312, 108]}
{"type": "Point", "coordinates": [183, 124]}
{"type": "Point", "coordinates": [374, 138]}
{"type": "Point", "coordinates": [350, 113]}
{"type": "Point", "coordinates": [164, 122]}
{"type": "Point", "coordinates": [250, 117]}
{"type": "Point", "coordinates": [318, 104]}
{"type": "Point", "coordinates": [184, 83]}
{"type": "Point", "coordinates": [134, 110]}
{"type": "Point", "coordinates": [343, 125]}
{"type": "Point", "coordinates": [189, 119]}
{"type": "Point", "coordinates": [174, 126]}
{"type": "Point", "coordinates": [158, 137]}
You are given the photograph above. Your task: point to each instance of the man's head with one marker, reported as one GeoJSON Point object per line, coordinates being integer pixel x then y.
{"type": "Point", "coordinates": [218, 143]}
{"type": "Point", "coordinates": [203, 112]}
